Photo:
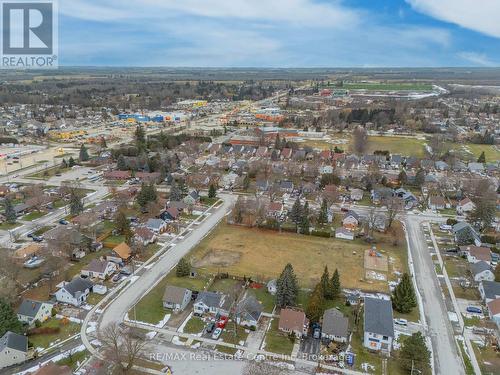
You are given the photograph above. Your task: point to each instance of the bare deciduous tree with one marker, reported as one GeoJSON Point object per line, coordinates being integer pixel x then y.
{"type": "Point", "coordinates": [359, 140]}
{"type": "Point", "coordinates": [394, 207]}
{"type": "Point", "coordinates": [121, 346]}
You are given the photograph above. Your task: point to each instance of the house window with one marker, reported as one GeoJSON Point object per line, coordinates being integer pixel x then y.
{"type": "Point", "coordinates": [385, 337]}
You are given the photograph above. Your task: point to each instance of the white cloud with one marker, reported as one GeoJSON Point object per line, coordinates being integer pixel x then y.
{"type": "Point", "coordinates": [477, 58]}
{"type": "Point", "coordinates": [477, 15]}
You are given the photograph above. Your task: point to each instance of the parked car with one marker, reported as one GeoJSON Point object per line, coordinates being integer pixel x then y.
{"type": "Point", "coordinates": [37, 238]}
{"type": "Point", "coordinates": [125, 271]}
{"type": "Point", "coordinates": [317, 333]}
{"type": "Point", "coordinates": [222, 322]}
{"type": "Point", "coordinates": [401, 321]}
{"type": "Point", "coordinates": [217, 333]}
{"type": "Point", "coordinates": [117, 278]}
{"type": "Point", "coordinates": [63, 222]}
{"type": "Point", "coordinates": [474, 310]}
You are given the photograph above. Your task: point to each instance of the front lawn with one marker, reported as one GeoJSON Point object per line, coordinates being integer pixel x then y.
{"type": "Point", "coordinates": [33, 215]}
{"type": "Point", "coordinates": [194, 325]}
{"type": "Point", "coordinates": [9, 226]}
{"type": "Point", "coordinates": [277, 341]}
{"type": "Point", "coordinates": [67, 329]}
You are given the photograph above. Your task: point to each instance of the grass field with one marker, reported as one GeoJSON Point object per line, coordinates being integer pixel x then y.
{"type": "Point", "coordinates": [397, 145]}
{"type": "Point", "coordinates": [263, 254]}
{"type": "Point", "coordinates": [474, 151]}
{"type": "Point", "coordinates": [277, 341]}
{"type": "Point", "coordinates": [33, 215]}
{"type": "Point", "coordinates": [66, 330]}
{"type": "Point", "coordinates": [389, 86]}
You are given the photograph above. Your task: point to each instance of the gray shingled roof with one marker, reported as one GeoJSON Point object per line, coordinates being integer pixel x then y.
{"type": "Point", "coordinates": [29, 308]}
{"type": "Point", "coordinates": [212, 299]}
{"type": "Point", "coordinates": [335, 323]}
{"type": "Point", "coordinates": [479, 267]}
{"type": "Point", "coordinates": [378, 317]}
{"type": "Point", "coordinates": [14, 341]}
{"type": "Point", "coordinates": [78, 285]}
{"type": "Point", "coordinates": [250, 306]}
{"type": "Point", "coordinates": [491, 289]}
{"type": "Point", "coordinates": [174, 294]}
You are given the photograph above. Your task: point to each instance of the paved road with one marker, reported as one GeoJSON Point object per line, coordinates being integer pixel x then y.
{"type": "Point", "coordinates": [446, 357]}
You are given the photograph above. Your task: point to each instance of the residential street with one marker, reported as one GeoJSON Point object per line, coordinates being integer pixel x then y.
{"type": "Point", "coordinates": [447, 360]}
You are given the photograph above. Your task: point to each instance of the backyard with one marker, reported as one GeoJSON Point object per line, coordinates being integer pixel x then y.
{"type": "Point", "coordinates": [66, 328]}
{"type": "Point", "coordinates": [262, 255]}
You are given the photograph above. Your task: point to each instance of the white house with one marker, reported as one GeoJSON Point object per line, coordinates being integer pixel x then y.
{"type": "Point", "coordinates": [378, 325]}
{"type": "Point", "coordinates": [211, 303]}
{"type": "Point", "coordinates": [489, 290]}
{"type": "Point", "coordinates": [31, 311]}
{"type": "Point", "coordinates": [75, 292]}
{"type": "Point", "coordinates": [325, 169]}
{"type": "Point", "coordinates": [272, 287]}
{"type": "Point", "coordinates": [13, 349]}
{"type": "Point", "coordinates": [482, 271]}
{"type": "Point", "coordinates": [494, 310]}
{"type": "Point", "coordinates": [351, 220]}
{"type": "Point", "coordinates": [176, 298]}
{"type": "Point", "coordinates": [344, 234]}
{"type": "Point", "coordinates": [99, 268]}
{"type": "Point", "coordinates": [465, 205]}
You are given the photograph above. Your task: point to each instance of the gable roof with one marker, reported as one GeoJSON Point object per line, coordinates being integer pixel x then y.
{"type": "Point", "coordinates": [491, 289]}
{"type": "Point", "coordinates": [96, 265]}
{"type": "Point", "coordinates": [481, 253]}
{"type": "Point", "coordinates": [335, 323]}
{"type": "Point", "coordinates": [77, 285]}
{"type": "Point", "coordinates": [477, 268]}
{"type": "Point", "coordinates": [29, 307]}
{"type": "Point", "coordinates": [351, 213]}
{"type": "Point", "coordinates": [14, 341]}
{"type": "Point", "coordinates": [292, 320]}
{"type": "Point", "coordinates": [123, 250]}
{"type": "Point", "coordinates": [250, 306]}
{"type": "Point", "coordinates": [211, 299]}
{"type": "Point", "coordinates": [494, 306]}
{"type": "Point", "coordinates": [174, 294]}
{"type": "Point", "coordinates": [378, 316]}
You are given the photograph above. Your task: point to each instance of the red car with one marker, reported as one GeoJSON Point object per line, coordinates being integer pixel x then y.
{"type": "Point", "coordinates": [222, 322]}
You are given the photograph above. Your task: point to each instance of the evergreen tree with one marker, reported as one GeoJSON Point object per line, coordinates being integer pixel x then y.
{"type": "Point", "coordinates": [10, 214]}
{"type": "Point", "coordinates": [8, 319]}
{"type": "Point", "coordinates": [84, 154]}
{"type": "Point", "coordinates": [326, 285]}
{"type": "Point", "coordinates": [403, 297]}
{"type": "Point", "coordinates": [75, 203]}
{"type": "Point", "coordinates": [71, 162]}
{"type": "Point", "coordinates": [323, 213]}
{"type": "Point", "coordinates": [183, 268]}
{"type": "Point", "coordinates": [64, 164]}
{"type": "Point", "coordinates": [296, 212]}
{"type": "Point", "coordinates": [305, 225]}
{"type": "Point", "coordinates": [287, 287]}
{"type": "Point", "coordinates": [335, 285]}
{"type": "Point", "coordinates": [315, 305]}
{"type": "Point", "coordinates": [415, 356]}
{"type": "Point", "coordinates": [140, 138]}
{"type": "Point", "coordinates": [305, 209]}
{"type": "Point", "coordinates": [212, 192]}
{"type": "Point", "coordinates": [122, 224]}
{"type": "Point", "coordinates": [420, 177]}
{"type": "Point", "coordinates": [482, 158]}
{"type": "Point", "coordinates": [121, 164]}
{"type": "Point", "coordinates": [147, 194]}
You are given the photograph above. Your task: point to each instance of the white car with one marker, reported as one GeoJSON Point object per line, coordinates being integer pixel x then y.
{"type": "Point", "coordinates": [216, 334]}
{"type": "Point", "coordinates": [401, 321]}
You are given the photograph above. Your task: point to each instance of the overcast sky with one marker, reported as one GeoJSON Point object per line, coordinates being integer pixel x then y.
{"type": "Point", "coordinates": [280, 33]}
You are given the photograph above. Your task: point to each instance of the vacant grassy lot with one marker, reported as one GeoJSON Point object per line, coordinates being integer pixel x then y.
{"type": "Point", "coordinates": [33, 215]}
{"type": "Point", "coordinates": [67, 329]}
{"type": "Point", "coordinates": [397, 145]}
{"type": "Point", "coordinates": [263, 254]}
{"type": "Point", "coordinates": [277, 341]}
{"type": "Point", "coordinates": [194, 325]}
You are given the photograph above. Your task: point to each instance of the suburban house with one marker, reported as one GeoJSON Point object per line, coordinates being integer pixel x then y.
{"type": "Point", "coordinates": [13, 349]}
{"type": "Point", "coordinates": [465, 234]}
{"type": "Point", "coordinates": [121, 253]}
{"type": "Point", "coordinates": [335, 326]}
{"type": "Point", "coordinates": [356, 194]}
{"type": "Point", "coordinates": [378, 325]}
{"type": "Point", "coordinates": [192, 198]}
{"type": "Point", "coordinates": [75, 292]}
{"type": "Point", "coordinates": [494, 310]}
{"type": "Point", "coordinates": [176, 298]}
{"type": "Point", "coordinates": [144, 235]}
{"type": "Point", "coordinates": [211, 303]}
{"type": "Point", "coordinates": [248, 312]}
{"type": "Point", "coordinates": [351, 220]}
{"type": "Point", "coordinates": [476, 254]}
{"type": "Point", "coordinates": [275, 209]}
{"type": "Point", "coordinates": [31, 311]}
{"type": "Point", "coordinates": [293, 321]}
{"type": "Point", "coordinates": [99, 268]}
{"type": "Point", "coordinates": [170, 214]}
{"type": "Point", "coordinates": [437, 202]}
{"type": "Point", "coordinates": [489, 290]}
{"type": "Point", "coordinates": [158, 226]}
{"type": "Point", "coordinates": [481, 271]}
{"type": "Point", "coordinates": [344, 234]}
{"type": "Point", "coordinates": [465, 205]}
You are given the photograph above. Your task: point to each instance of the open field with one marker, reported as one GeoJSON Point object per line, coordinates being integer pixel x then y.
{"type": "Point", "coordinates": [263, 254]}
{"type": "Point", "coordinates": [473, 151]}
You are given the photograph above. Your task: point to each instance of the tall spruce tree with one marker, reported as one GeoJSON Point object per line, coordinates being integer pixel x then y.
{"type": "Point", "coordinates": [183, 268]}
{"type": "Point", "coordinates": [403, 297]}
{"type": "Point", "coordinates": [84, 153]}
{"type": "Point", "coordinates": [315, 305]}
{"type": "Point", "coordinates": [415, 356]}
{"type": "Point", "coordinates": [305, 225]}
{"type": "Point", "coordinates": [323, 213]}
{"type": "Point", "coordinates": [75, 203]}
{"type": "Point", "coordinates": [287, 287]}
{"type": "Point", "coordinates": [10, 213]}
{"type": "Point", "coordinates": [325, 284]}
{"type": "Point", "coordinates": [175, 192]}
{"type": "Point", "coordinates": [8, 319]}
{"type": "Point", "coordinates": [335, 286]}
{"type": "Point", "coordinates": [296, 212]}
{"type": "Point", "coordinates": [121, 164]}
{"type": "Point", "coordinates": [212, 192]}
